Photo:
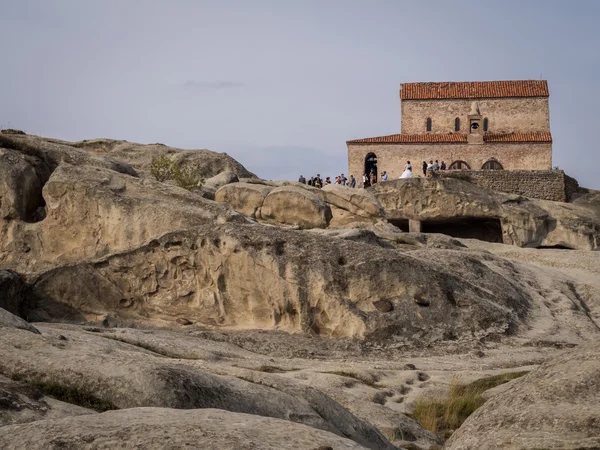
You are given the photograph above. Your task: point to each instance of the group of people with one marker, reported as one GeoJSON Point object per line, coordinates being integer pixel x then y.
{"type": "Point", "coordinates": [319, 183]}
{"type": "Point", "coordinates": [428, 169]}
{"type": "Point", "coordinates": [371, 178]}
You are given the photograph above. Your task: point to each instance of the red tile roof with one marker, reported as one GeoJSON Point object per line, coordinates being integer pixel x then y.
{"type": "Point", "coordinates": [453, 138]}
{"type": "Point", "coordinates": [474, 89]}
{"type": "Point", "coordinates": [535, 136]}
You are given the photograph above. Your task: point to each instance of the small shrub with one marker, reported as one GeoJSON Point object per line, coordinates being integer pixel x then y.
{"type": "Point", "coordinates": [161, 168]}
{"type": "Point", "coordinates": [444, 414]}
{"type": "Point", "coordinates": [370, 380]}
{"type": "Point", "coordinates": [187, 177]}
{"type": "Point", "coordinates": [459, 176]}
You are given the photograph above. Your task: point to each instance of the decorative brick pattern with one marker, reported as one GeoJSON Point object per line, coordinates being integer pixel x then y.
{"type": "Point", "coordinates": [474, 89]}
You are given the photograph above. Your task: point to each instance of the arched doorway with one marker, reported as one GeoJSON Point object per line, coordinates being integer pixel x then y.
{"type": "Point", "coordinates": [492, 164]}
{"type": "Point", "coordinates": [459, 165]}
{"type": "Point", "coordinates": [370, 164]}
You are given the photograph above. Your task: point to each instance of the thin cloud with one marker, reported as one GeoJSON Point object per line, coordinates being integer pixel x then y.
{"type": "Point", "coordinates": [216, 84]}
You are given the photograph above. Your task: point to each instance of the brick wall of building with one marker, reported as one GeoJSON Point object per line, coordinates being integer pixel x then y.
{"type": "Point", "coordinates": [393, 157]}
{"type": "Point", "coordinates": [543, 184]}
{"type": "Point", "coordinates": [505, 115]}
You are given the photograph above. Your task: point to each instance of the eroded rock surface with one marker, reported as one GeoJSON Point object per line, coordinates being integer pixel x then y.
{"type": "Point", "coordinates": [158, 428]}
{"type": "Point", "coordinates": [557, 406]}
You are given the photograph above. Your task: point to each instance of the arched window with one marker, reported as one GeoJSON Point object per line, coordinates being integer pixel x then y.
{"type": "Point", "coordinates": [459, 165]}
{"type": "Point", "coordinates": [492, 164]}
{"type": "Point", "coordinates": [428, 124]}
{"type": "Point", "coordinates": [485, 124]}
{"type": "Point", "coordinates": [457, 124]}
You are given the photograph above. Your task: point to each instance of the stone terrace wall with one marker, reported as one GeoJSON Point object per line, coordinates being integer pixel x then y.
{"type": "Point", "coordinates": [543, 184]}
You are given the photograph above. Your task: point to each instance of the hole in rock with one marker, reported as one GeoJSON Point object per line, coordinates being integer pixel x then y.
{"type": "Point", "coordinates": [556, 247]}
{"type": "Point", "coordinates": [400, 223]}
{"type": "Point", "coordinates": [484, 229]}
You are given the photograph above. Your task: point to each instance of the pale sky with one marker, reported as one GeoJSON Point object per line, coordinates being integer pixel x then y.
{"type": "Point", "coordinates": [282, 85]}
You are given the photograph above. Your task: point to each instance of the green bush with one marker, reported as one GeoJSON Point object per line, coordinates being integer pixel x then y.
{"type": "Point", "coordinates": [161, 168]}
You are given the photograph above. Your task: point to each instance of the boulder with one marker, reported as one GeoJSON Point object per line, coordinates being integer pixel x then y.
{"type": "Point", "coordinates": [91, 211]}
{"type": "Point", "coordinates": [361, 202]}
{"type": "Point", "coordinates": [9, 320]}
{"type": "Point", "coordinates": [245, 198]}
{"type": "Point", "coordinates": [222, 179]}
{"type": "Point", "coordinates": [294, 205]}
{"type": "Point", "coordinates": [555, 406]}
{"type": "Point", "coordinates": [158, 428]}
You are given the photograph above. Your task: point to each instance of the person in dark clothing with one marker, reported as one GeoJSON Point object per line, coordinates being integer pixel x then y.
{"type": "Point", "coordinates": [443, 166]}
{"type": "Point", "coordinates": [424, 168]}
{"type": "Point", "coordinates": [352, 181]}
{"type": "Point", "coordinates": [302, 180]}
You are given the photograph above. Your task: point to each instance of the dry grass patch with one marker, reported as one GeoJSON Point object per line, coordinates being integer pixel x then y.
{"type": "Point", "coordinates": [369, 380]}
{"type": "Point", "coordinates": [443, 414]}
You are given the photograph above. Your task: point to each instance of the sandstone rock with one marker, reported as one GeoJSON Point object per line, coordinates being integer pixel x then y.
{"type": "Point", "coordinates": [245, 198]}
{"type": "Point", "coordinates": [466, 210]}
{"type": "Point", "coordinates": [129, 376]}
{"type": "Point", "coordinates": [258, 277]}
{"type": "Point", "coordinates": [12, 291]}
{"type": "Point", "coordinates": [20, 187]}
{"type": "Point", "coordinates": [158, 428]}
{"type": "Point", "coordinates": [8, 320]}
{"type": "Point", "coordinates": [20, 403]}
{"type": "Point", "coordinates": [93, 211]}
{"type": "Point", "coordinates": [207, 163]}
{"type": "Point", "coordinates": [294, 205]}
{"type": "Point", "coordinates": [555, 406]}
{"type": "Point", "coordinates": [222, 179]}
{"type": "Point", "coordinates": [357, 201]}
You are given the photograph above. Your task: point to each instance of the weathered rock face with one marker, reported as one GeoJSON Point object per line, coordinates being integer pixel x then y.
{"type": "Point", "coordinates": [12, 291]}
{"type": "Point", "coordinates": [158, 428]}
{"type": "Point", "coordinates": [246, 198]}
{"type": "Point", "coordinates": [555, 406]}
{"type": "Point", "coordinates": [265, 277]}
{"type": "Point", "coordinates": [92, 211]}
{"type": "Point", "coordinates": [20, 403]}
{"type": "Point", "coordinates": [9, 320]}
{"type": "Point", "coordinates": [301, 205]}
{"type": "Point", "coordinates": [127, 376]}
{"type": "Point", "coordinates": [294, 205]}
{"type": "Point", "coordinates": [208, 163]}
{"type": "Point", "coordinates": [455, 206]}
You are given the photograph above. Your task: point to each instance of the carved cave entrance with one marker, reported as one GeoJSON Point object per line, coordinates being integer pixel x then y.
{"type": "Point", "coordinates": [370, 164]}
{"type": "Point", "coordinates": [484, 229]}
{"type": "Point", "coordinates": [400, 223]}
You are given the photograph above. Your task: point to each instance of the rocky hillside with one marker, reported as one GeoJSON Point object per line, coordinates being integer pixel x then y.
{"type": "Point", "coordinates": [246, 312]}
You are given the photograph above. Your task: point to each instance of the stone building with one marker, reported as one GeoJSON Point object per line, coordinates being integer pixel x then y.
{"type": "Point", "coordinates": [469, 125]}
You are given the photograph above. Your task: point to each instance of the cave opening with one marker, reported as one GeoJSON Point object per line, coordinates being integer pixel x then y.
{"type": "Point", "coordinates": [400, 223]}
{"type": "Point", "coordinates": [485, 229]}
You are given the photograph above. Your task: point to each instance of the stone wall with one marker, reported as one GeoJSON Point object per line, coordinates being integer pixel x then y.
{"type": "Point", "coordinates": [393, 157]}
{"type": "Point", "coordinates": [543, 184]}
{"type": "Point", "coordinates": [505, 115]}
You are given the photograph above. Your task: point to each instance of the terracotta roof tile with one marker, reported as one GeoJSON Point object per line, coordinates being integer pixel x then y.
{"type": "Point", "coordinates": [474, 89]}
{"type": "Point", "coordinates": [453, 138]}
{"type": "Point", "coordinates": [536, 136]}
{"type": "Point", "coordinates": [413, 139]}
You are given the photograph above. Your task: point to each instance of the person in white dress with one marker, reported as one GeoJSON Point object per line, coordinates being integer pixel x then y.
{"type": "Point", "coordinates": [407, 171]}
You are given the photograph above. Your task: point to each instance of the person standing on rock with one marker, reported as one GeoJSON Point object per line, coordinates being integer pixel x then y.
{"type": "Point", "coordinates": [424, 169]}
{"type": "Point", "coordinates": [384, 177]}
{"type": "Point", "coordinates": [302, 179]}
{"type": "Point", "coordinates": [373, 177]}
{"type": "Point", "coordinates": [443, 166]}
{"type": "Point", "coordinates": [352, 181]}
{"type": "Point", "coordinates": [343, 179]}
{"type": "Point", "coordinates": [318, 181]}
{"type": "Point", "coordinates": [436, 166]}
{"type": "Point", "coordinates": [365, 180]}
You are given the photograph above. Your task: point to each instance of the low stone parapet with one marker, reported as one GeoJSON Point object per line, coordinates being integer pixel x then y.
{"type": "Point", "coordinates": [543, 184]}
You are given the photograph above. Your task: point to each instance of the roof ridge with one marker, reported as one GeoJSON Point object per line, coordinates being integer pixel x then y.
{"type": "Point", "coordinates": [455, 138]}
{"type": "Point", "coordinates": [434, 90]}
